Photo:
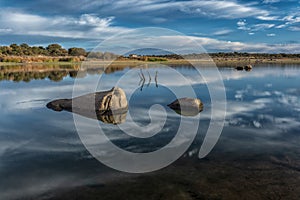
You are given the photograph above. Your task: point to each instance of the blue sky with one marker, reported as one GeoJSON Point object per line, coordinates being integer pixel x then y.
{"type": "Point", "coordinates": [236, 25]}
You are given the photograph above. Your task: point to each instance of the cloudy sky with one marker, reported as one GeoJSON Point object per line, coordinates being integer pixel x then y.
{"type": "Point", "coordinates": [235, 25]}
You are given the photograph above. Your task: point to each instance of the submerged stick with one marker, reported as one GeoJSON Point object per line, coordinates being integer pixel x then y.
{"type": "Point", "coordinates": [142, 80]}
{"type": "Point", "coordinates": [142, 85]}
{"type": "Point", "coordinates": [156, 79]}
{"type": "Point", "coordinates": [143, 77]}
{"type": "Point", "coordinates": [149, 79]}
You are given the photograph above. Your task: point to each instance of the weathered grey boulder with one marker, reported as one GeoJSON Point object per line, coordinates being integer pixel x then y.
{"type": "Point", "coordinates": [187, 106]}
{"type": "Point", "coordinates": [107, 106]}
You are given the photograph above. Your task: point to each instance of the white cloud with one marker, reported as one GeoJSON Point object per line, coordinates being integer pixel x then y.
{"type": "Point", "coordinates": [5, 30]}
{"type": "Point", "coordinates": [281, 26]}
{"type": "Point", "coordinates": [91, 26]}
{"type": "Point", "coordinates": [221, 9]}
{"type": "Point", "coordinates": [208, 8]}
{"type": "Point", "coordinates": [223, 32]}
{"type": "Point", "coordinates": [291, 19]}
{"type": "Point", "coordinates": [156, 11]}
{"type": "Point", "coordinates": [271, 34]}
{"type": "Point", "coordinates": [267, 18]}
{"type": "Point", "coordinates": [294, 28]}
{"type": "Point", "coordinates": [258, 27]}
{"type": "Point", "coordinates": [270, 1]}
{"type": "Point", "coordinates": [94, 20]}
{"type": "Point", "coordinates": [242, 25]}
{"type": "Point", "coordinates": [288, 21]}
{"type": "Point", "coordinates": [210, 44]}
{"type": "Point", "coordinates": [86, 26]}
{"type": "Point", "coordinates": [187, 44]}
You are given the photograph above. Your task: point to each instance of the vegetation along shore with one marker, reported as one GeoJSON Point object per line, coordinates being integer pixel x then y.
{"type": "Point", "coordinates": [55, 53]}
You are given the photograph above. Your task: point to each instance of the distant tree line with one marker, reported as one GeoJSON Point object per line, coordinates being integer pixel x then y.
{"type": "Point", "coordinates": [56, 50]}
{"type": "Point", "coordinates": [229, 55]}
{"type": "Point", "coordinates": [50, 50]}
{"type": "Point", "coordinates": [254, 55]}
{"type": "Point", "coordinates": [102, 55]}
{"type": "Point", "coordinates": [52, 53]}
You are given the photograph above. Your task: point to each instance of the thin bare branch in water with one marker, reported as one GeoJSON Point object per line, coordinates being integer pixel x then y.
{"type": "Point", "coordinates": [149, 79]}
{"type": "Point", "coordinates": [156, 79]}
{"type": "Point", "coordinates": [142, 74]}
{"type": "Point", "coordinates": [143, 84]}
{"type": "Point", "coordinates": [142, 79]}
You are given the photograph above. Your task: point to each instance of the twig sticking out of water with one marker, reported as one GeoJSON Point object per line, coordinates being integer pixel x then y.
{"type": "Point", "coordinates": [142, 74]}
{"type": "Point", "coordinates": [156, 79]}
{"type": "Point", "coordinates": [140, 82]}
{"type": "Point", "coordinates": [142, 79]}
{"type": "Point", "coordinates": [149, 79]}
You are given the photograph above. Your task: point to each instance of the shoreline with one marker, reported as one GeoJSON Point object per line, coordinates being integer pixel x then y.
{"type": "Point", "coordinates": [57, 71]}
{"type": "Point", "coordinates": [218, 61]}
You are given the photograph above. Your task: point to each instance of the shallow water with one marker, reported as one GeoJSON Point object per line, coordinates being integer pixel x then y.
{"type": "Point", "coordinates": [41, 153]}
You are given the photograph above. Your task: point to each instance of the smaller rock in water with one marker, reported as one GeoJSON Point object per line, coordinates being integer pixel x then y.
{"type": "Point", "coordinates": [187, 106]}
{"type": "Point", "coordinates": [248, 67]}
{"type": "Point", "coordinates": [239, 68]}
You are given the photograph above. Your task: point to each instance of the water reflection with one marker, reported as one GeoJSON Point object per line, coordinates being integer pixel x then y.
{"type": "Point", "coordinates": [27, 73]}
{"type": "Point", "coordinates": [257, 154]}
{"type": "Point", "coordinates": [105, 117]}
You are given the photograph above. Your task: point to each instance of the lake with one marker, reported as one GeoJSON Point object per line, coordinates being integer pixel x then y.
{"type": "Point", "coordinates": [256, 157]}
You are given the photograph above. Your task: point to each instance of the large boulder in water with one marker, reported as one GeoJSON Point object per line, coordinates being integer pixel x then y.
{"type": "Point", "coordinates": [108, 106]}
{"type": "Point", "coordinates": [187, 106]}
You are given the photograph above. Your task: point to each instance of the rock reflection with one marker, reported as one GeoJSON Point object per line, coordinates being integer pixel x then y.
{"type": "Point", "coordinates": [105, 117]}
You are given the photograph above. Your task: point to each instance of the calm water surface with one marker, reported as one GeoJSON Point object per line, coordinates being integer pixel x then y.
{"type": "Point", "coordinates": [257, 156]}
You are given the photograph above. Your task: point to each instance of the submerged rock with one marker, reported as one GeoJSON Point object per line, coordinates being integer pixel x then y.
{"type": "Point", "coordinates": [248, 67]}
{"type": "Point", "coordinates": [187, 106]}
{"type": "Point", "coordinates": [239, 68]}
{"type": "Point", "coordinates": [108, 106]}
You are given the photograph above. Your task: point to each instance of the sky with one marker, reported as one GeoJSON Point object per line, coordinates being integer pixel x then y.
{"type": "Point", "coordinates": [270, 26]}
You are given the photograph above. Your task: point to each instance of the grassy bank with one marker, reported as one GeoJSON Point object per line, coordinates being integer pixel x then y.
{"type": "Point", "coordinates": [132, 62]}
